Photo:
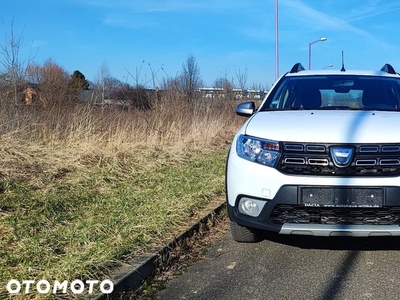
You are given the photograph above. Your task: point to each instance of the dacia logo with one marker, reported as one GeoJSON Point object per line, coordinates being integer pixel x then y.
{"type": "Point", "coordinates": [342, 156]}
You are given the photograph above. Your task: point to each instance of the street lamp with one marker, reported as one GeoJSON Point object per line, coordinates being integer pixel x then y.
{"type": "Point", "coordinates": [309, 50]}
{"type": "Point", "coordinates": [328, 66]}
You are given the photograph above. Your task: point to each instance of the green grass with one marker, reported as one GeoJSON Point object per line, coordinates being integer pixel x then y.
{"type": "Point", "coordinates": [79, 223]}
{"type": "Point", "coordinates": [82, 189]}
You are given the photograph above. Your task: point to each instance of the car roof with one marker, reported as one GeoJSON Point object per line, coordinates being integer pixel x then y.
{"type": "Point", "coordinates": [386, 71]}
{"type": "Point", "coordinates": [342, 73]}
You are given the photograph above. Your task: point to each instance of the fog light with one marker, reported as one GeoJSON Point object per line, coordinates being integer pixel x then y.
{"type": "Point", "coordinates": [251, 207]}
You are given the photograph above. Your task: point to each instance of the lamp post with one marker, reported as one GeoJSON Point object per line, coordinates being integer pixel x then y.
{"type": "Point", "coordinates": [276, 42]}
{"type": "Point", "coordinates": [309, 50]}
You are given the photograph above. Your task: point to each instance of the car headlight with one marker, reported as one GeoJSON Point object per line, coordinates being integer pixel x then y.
{"type": "Point", "coordinates": [261, 151]}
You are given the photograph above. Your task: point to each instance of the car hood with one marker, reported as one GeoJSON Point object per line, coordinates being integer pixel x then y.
{"type": "Point", "coordinates": [326, 126]}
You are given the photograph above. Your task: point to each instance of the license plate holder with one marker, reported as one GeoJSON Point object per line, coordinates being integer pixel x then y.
{"type": "Point", "coordinates": [341, 197]}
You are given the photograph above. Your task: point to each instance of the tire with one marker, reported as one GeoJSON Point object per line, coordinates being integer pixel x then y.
{"type": "Point", "coordinates": [244, 234]}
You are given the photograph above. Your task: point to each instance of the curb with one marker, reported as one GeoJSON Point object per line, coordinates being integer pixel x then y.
{"type": "Point", "coordinates": [130, 277]}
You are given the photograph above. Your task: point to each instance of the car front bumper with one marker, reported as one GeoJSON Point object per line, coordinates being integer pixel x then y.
{"type": "Point", "coordinates": [283, 211]}
{"type": "Point", "coordinates": [285, 215]}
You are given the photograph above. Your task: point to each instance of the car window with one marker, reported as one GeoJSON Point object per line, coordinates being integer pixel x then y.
{"type": "Point", "coordinates": [352, 98]}
{"type": "Point", "coordinates": [335, 92]}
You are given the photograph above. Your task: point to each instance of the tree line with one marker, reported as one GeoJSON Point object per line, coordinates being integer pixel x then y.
{"type": "Point", "coordinates": [50, 84]}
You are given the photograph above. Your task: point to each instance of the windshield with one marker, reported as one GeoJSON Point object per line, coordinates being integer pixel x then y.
{"type": "Point", "coordinates": [331, 92]}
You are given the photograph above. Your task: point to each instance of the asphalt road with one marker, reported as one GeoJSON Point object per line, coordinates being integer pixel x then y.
{"type": "Point", "coordinates": [290, 267]}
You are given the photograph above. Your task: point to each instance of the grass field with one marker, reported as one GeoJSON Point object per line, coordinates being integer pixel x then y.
{"type": "Point", "coordinates": [83, 188]}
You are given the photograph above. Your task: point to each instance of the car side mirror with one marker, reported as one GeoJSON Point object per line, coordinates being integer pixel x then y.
{"type": "Point", "coordinates": [245, 109]}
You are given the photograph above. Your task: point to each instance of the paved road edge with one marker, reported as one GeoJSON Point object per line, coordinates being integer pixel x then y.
{"type": "Point", "coordinates": [131, 276]}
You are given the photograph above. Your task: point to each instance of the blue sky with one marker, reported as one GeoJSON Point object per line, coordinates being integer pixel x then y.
{"type": "Point", "coordinates": [225, 36]}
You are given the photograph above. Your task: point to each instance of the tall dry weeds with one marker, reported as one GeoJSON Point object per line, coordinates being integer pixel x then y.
{"type": "Point", "coordinates": [31, 137]}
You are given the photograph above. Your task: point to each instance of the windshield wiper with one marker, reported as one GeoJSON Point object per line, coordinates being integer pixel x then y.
{"type": "Point", "coordinates": [337, 107]}
{"type": "Point", "coordinates": [282, 109]}
{"type": "Point", "coordinates": [379, 109]}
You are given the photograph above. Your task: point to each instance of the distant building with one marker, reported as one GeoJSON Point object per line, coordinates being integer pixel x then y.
{"type": "Point", "coordinates": [211, 93]}
{"type": "Point", "coordinates": [32, 96]}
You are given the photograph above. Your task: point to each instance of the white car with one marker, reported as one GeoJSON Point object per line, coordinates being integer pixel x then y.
{"type": "Point", "coordinates": [320, 156]}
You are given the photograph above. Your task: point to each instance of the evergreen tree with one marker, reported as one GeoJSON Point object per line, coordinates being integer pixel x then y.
{"type": "Point", "coordinates": [77, 83]}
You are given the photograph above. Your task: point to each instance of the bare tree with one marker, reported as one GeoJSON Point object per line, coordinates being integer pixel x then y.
{"type": "Point", "coordinates": [106, 85]}
{"type": "Point", "coordinates": [190, 79]}
{"type": "Point", "coordinates": [227, 86]}
{"type": "Point", "coordinates": [170, 84]}
{"type": "Point", "coordinates": [241, 77]}
{"type": "Point", "coordinates": [102, 84]}
{"type": "Point", "coordinates": [11, 61]}
{"type": "Point", "coordinates": [50, 79]}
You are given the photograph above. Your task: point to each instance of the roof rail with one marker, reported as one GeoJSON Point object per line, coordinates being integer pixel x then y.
{"type": "Point", "coordinates": [297, 68]}
{"type": "Point", "coordinates": [388, 69]}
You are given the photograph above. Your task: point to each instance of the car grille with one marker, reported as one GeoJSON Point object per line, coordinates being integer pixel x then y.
{"type": "Point", "coordinates": [331, 216]}
{"type": "Point", "coordinates": [316, 159]}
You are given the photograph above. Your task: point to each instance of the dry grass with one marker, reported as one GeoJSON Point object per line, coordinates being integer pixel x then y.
{"type": "Point", "coordinates": [83, 187]}
{"type": "Point", "coordinates": [31, 137]}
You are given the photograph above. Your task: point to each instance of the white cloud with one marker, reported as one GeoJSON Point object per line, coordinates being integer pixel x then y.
{"type": "Point", "coordinates": [339, 21]}
{"type": "Point", "coordinates": [371, 9]}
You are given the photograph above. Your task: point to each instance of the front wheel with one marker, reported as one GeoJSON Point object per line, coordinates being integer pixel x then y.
{"type": "Point", "coordinates": [243, 234]}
